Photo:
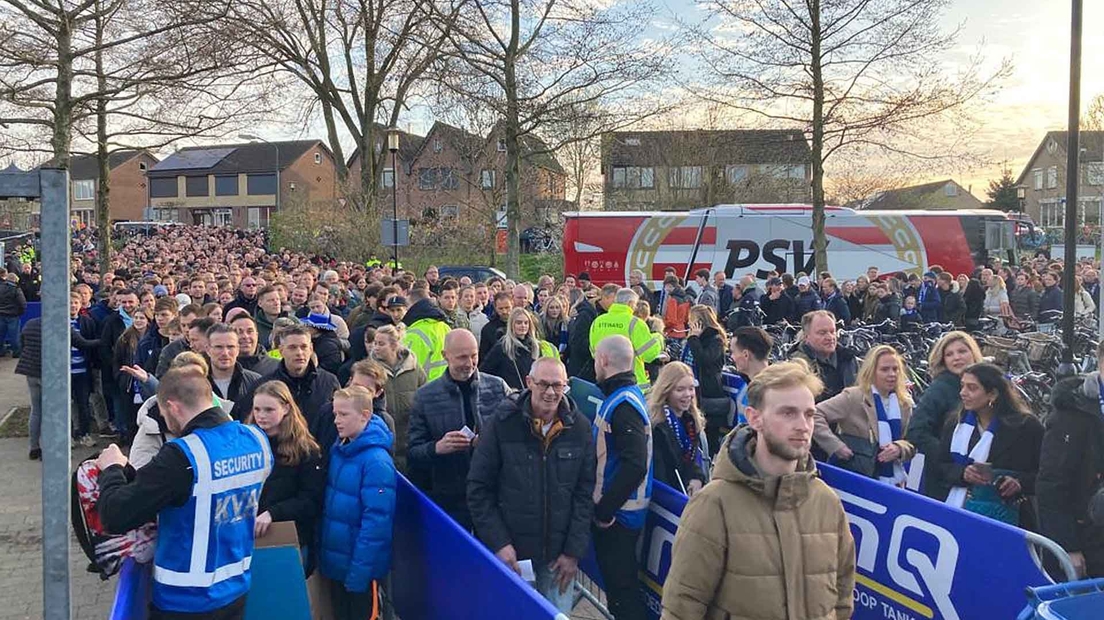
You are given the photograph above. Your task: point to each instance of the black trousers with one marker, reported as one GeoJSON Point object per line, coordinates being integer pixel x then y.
{"type": "Point", "coordinates": [233, 611]}
{"type": "Point", "coordinates": [615, 548]}
{"type": "Point", "coordinates": [354, 605]}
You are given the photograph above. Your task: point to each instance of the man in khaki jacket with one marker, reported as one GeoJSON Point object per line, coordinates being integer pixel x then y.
{"type": "Point", "coordinates": [766, 538]}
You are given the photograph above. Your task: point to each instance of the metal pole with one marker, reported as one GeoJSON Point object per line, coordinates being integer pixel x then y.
{"type": "Point", "coordinates": [394, 211]}
{"type": "Point", "coordinates": [1066, 368]}
{"type": "Point", "coordinates": [56, 463]}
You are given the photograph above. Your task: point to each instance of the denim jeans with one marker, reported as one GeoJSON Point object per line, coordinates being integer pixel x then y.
{"type": "Point", "coordinates": [550, 590]}
{"type": "Point", "coordinates": [34, 386]}
{"type": "Point", "coordinates": [81, 391]}
{"type": "Point", "coordinates": [9, 334]}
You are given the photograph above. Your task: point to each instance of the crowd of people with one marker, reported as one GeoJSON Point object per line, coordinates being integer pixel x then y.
{"type": "Point", "coordinates": [315, 381]}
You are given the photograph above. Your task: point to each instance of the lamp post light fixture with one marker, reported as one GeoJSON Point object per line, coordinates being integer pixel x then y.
{"type": "Point", "coordinates": [393, 146]}
{"type": "Point", "coordinates": [1021, 196]}
{"type": "Point", "coordinates": [249, 136]}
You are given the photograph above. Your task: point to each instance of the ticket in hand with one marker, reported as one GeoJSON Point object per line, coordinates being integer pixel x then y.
{"type": "Point", "coordinates": [467, 432]}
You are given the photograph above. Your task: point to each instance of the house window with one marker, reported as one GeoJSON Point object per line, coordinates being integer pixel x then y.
{"type": "Point", "coordinates": [1094, 173]}
{"type": "Point", "coordinates": [487, 179]}
{"type": "Point", "coordinates": [260, 185]}
{"type": "Point", "coordinates": [437, 146]}
{"type": "Point", "coordinates": [450, 211]}
{"type": "Point", "coordinates": [388, 180]}
{"type": "Point", "coordinates": [735, 173]}
{"type": "Point", "coordinates": [196, 186]}
{"type": "Point", "coordinates": [685, 177]}
{"type": "Point", "coordinates": [142, 165]}
{"type": "Point", "coordinates": [1038, 177]}
{"type": "Point", "coordinates": [785, 172]}
{"type": "Point", "coordinates": [84, 190]}
{"type": "Point", "coordinates": [427, 178]}
{"type": "Point", "coordinates": [1052, 177]}
{"type": "Point", "coordinates": [226, 185]}
{"type": "Point", "coordinates": [318, 159]}
{"type": "Point", "coordinates": [950, 190]}
{"type": "Point", "coordinates": [222, 217]}
{"type": "Point", "coordinates": [163, 187]}
{"type": "Point", "coordinates": [634, 177]}
{"type": "Point", "coordinates": [164, 215]}
{"type": "Point", "coordinates": [256, 217]}
{"type": "Point", "coordinates": [448, 178]}
{"type": "Point", "coordinates": [1052, 214]}
{"type": "Point", "coordinates": [501, 146]}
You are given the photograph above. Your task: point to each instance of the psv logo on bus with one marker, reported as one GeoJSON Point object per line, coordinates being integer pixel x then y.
{"type": "Point", "coordinates": [744, 253]}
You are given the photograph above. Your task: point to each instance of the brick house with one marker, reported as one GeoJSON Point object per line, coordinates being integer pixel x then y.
{"type": "Point", "coordinates": [1044, 180]}
{"type": "Point", "coordinates": [938, 195]}
{"type": "Point", "coordinates": [452, 176]}
{"type": "Point", "coordinates": [236, 184]}
{"type": "Point", "coordinates": [126, 181]}
{"type": "Point", "coordinates": [678, 170]}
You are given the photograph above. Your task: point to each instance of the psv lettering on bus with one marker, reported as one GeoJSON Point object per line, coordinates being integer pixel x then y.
{"type": "Point", "coordinates": [744, 253]}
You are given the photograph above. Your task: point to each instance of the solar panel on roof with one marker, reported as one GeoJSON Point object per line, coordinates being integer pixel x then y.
{"type": "Point", "coordinates": [193, 160]}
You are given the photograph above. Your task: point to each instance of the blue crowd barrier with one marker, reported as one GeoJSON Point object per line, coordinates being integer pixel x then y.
{"type": "Point", "coordinates": [916, 558]}
{"type": "Point", "coordinates": [438, 571]}
{"type": "Point", "coordinates": [33, 311]}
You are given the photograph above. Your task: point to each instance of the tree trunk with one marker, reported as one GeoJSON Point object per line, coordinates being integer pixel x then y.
{"type": "Point", "coordinates": [513, 153]}
{"type": "Point", "coordinates": [820, 241]}
{"type": "Point", "coordinates": [62, 135]}
{"type": "Point", "coordinates": [103, 187]}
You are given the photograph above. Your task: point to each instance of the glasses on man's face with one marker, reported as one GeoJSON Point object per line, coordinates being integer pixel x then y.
{"type": "Point", "coordinates": [544, 386]}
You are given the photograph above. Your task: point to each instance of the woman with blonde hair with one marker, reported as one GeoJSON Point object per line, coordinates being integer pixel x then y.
{"type": "Point", "coordinates": [512, 356]}
{"type": "Point", "coordinates": [678, 455]}
{"type": "Point", "coordinates": [704, 352]}
{"type": "Point", "coordinates": [996, 298]}
{"type": "Point", "coordinates": [952, 354]}
{"type": "Point", "coordinates": [553, 322]}
{"type": "Point", "coordinates": [870, 418]}
{"type": "Point", "coordinates": [1082, 301]}
{"type": "Point", "coordinates": [294, 489]}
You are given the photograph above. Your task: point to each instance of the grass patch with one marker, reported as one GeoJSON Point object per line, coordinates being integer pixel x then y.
{"type": "Point", "coordinates": [16, 424]}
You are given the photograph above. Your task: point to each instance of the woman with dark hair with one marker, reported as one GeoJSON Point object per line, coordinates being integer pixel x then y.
{"type": "Point", "coordinates": [294, 489]}
{"type": "Point", "coordinates": [705, 353]}
{"type": "Point", "coordinates": [990, 450]}
{"type": "Point", "coordinates": [126, 354]}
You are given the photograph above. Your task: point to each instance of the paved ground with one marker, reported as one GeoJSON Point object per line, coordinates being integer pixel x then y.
{"type": "Point", "coordinates": [21, 528]}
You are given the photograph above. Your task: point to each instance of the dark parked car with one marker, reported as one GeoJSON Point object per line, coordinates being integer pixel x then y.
{"type": "Point", "coordinates": [477, 274]}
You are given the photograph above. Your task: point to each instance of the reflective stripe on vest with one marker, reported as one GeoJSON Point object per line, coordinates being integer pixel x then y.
{"type": "Point", "coordinates": [429, 365]}
{"type": "Point", "coordinates": [210, 511]}
{"type": "Point", "coordinates": [631, 514]}
{"type": "Point", "coordinates": [642, 349]}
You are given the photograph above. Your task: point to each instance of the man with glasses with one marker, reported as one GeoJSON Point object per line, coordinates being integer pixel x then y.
{"type": "Point", "coordinates": [550, 527]}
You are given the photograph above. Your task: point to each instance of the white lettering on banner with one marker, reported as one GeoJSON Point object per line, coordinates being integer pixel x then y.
{"type": "Point", "coordinates": [660, 538]}
{"type": "Point", "coordinates": [937, 576]}
{"type": "Point", "coordinates": [892, 613]}
{"type": "Point", "coordinates": [234, 507]}
{"type": "Point", "coordinates": [238, 464]}
{"type": "Point", "coordinates": [864, 599]}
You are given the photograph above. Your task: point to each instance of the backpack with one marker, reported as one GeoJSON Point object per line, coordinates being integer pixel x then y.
{"type": "Point", "coordinates": [105, 552]}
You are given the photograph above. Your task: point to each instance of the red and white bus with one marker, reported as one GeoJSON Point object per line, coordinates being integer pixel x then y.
{"type": "Point", "coordinates": [757, 239]}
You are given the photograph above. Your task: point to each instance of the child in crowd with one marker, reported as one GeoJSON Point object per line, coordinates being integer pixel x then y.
{"type": "Point", "coordinates": [355, 542]}
{"type": "Point", "coordinates": [910, 316]}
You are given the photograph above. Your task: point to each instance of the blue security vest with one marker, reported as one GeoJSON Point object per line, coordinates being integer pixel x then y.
{"type": "Point", "coordinates": [633, 511]}
{"type": "Point", "coordinates": [204, 547]}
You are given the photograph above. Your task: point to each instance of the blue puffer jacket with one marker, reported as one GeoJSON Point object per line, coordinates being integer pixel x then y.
{"type": "Point", "coordinates": [355, 541]}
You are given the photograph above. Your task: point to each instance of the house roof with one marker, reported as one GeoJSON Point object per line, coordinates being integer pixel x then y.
{"type": "Point", "coordinates": [537, 153]}
{"type": "Point", "coordinates": [924, 196]}
{"type": "Point", "coordinates": [467, 144]}
{"type": "Point", "coordinates": [409, 144]}
{"type": "Point", "coordinates": [234, 158]}
{"type": "Point", "coordinates": [84, 167]}
{"type": "Point", "coordinates": [704, 147]}
{"type": "Point", "coordinates": [1091, 141]}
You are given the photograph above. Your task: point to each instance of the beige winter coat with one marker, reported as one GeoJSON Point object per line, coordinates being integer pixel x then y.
{"type": "Point", "coordinates": [852, 411]}
{"type": "Point", "coordinates": [755, 548]}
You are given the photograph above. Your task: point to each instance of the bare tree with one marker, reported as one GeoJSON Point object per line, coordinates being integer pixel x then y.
{"type": "Point", "coordinates": [851, 73]}
{"type": "Point", "coordinates": [1094, 116]}
{"type": "Point", "coordinates": [360, 61]}
{"type": "Point", "coordinates": [536, 63]}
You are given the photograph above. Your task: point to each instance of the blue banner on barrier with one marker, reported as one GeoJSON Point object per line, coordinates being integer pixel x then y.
{"type": "Point", "coordinates": [33, 311]}
{"type": "Point", "coordinates": [916, 558]}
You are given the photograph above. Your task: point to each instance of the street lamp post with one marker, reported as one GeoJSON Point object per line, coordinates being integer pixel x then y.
{"type": "Point", "coordinates": [1066, 368]}
{"type": "Point", "coordinates": [249, 136]}
{"type": "Point", "coordinates": [393, 146]}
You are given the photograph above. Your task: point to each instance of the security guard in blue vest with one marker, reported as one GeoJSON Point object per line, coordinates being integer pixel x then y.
{"type": "Point", "coordinates": [623, 440]}
{"type": "Point", "coordinates": [202, 488]}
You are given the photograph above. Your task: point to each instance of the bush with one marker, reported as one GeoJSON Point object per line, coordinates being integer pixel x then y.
{"type": "Point", "coordinates": [533, 266]}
